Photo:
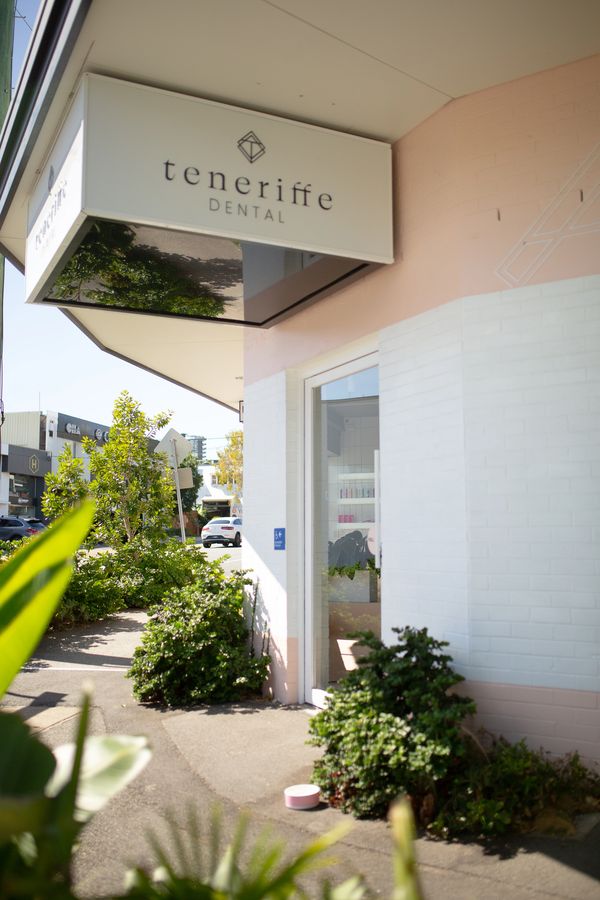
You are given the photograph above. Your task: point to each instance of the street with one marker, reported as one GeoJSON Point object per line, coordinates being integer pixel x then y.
{"type": "Point", "coordinates": [217, 552]}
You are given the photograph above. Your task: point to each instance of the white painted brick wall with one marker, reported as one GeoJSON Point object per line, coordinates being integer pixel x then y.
{"type": "Point", "coordinates": [490, 411]}
{"type": "Point", "coordinates": [532, 440]}
{"type": "Point", "coordinates": [265, 484]}
{"type": "Point", "coordinates": [423, 516]}
{"type": "Point", "coordinates": [271, 497]}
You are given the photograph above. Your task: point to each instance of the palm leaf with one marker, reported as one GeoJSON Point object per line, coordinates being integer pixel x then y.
{"type": "Point", "coordinates": [31, 585]}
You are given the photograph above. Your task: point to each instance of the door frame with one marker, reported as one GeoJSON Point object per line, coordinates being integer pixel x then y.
{"type": "Point", "coordinates": [316, 696]}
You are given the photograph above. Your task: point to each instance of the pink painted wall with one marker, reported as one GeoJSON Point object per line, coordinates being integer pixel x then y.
{"type": "Point", "coordinates": [556, 719]}
{"type": "Point", "coordinates": [282, 683]}
{"type": "Point", "coordinates": [494, 191]}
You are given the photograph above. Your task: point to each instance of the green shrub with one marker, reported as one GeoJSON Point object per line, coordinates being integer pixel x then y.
{"type": "Point", "coordinates": [508, 787]}
{"type": "Point", "coordinates": [146, 570]}
{"type": "Point", "coordinates": [135, 575]}
{"type": "Point", "coordinates": [92, 593]}
{"type": "Point", "coordinates": [195, 647]}
{"type": "Point", "coordinates": [391, 727]}
{"type": "Point", "coordinates": [394, 726]}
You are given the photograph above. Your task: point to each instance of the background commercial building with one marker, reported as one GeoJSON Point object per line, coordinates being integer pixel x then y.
{"type": "Point", "coordinates": [35, 441]}
{"type": "Point", "coordinates": [198, 446]}
{"type": "Point", "coordinates": [428, 396]}
{"type": "Point", "coordinates": [22, 480]}
{"type": "Point", "coordinates": [52, 432]}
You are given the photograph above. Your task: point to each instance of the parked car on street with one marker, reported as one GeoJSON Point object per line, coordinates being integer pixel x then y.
{"type": "Point", "coordinates": [13, 528]}
{"type": "Point", "coordinates": [226, 531]}
{"type": "Point", "coordinates": [37, 524]}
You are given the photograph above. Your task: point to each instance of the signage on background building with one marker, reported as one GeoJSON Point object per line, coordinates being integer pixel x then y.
{"type": "Point", "coordinates": [74, 429]}
{"type": "Point", "coordinates": [27, 461]}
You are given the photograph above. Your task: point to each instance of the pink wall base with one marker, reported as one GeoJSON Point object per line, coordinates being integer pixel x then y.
{"type": "Point", "coordinates": [561, 721]}
{"type": "Point", "coordinates": [282, 684]}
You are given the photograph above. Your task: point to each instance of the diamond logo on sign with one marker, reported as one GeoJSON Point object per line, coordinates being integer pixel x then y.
{"type": "Point", "coordinates": [34, 464]}
{"type": "Point", "coordinates": [251, 146]}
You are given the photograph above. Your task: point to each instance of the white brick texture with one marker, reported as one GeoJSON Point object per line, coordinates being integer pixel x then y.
{"type": "Point", "coordinates": [270, 501]}
{"type": "Point", "coordinates": [490, 412]}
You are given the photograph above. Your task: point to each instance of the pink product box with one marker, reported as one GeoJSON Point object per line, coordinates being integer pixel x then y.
{"type": "Point", "coordinates": [345, 518]}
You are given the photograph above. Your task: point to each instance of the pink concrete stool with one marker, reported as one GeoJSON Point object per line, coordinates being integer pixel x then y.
{"type": "Point", "coordinates": [302, 796]}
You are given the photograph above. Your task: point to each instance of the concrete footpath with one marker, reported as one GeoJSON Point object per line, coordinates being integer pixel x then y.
{"type": "Point", "coordinates": [243, 756]}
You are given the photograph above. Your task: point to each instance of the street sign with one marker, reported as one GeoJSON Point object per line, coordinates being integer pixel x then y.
{"type": "Point", "coordinates": [186, 479]}
{"type": "Point", "coordinates": [176, 448]}
{"type": "Point", "coordinates": [173, 444]}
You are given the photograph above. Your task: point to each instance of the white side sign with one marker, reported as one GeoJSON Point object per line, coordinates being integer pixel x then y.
{"type": "Point", "coordinates": [56, 206]}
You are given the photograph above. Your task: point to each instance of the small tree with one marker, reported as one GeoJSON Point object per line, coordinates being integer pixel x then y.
{"type": "Point", "coordinates": [130, 483]}
{"type": "Point", "coordinates": [66, 487]}
{"type": "Point", "coordinates": [230, 462]}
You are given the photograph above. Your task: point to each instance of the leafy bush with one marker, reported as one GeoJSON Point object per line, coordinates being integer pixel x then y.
{"type": "Point", "coordinates": [392, 726]}
{"type": "Point", "coordinates": [509, 786]}
{"type": "Point", "coordinates": [148, 569]}
{"type": "Point", "coordinates": [92, 593]}
{"type": "Point", "coordinates": [195, 647]}
{"type": "Point", "coordinates": [135, 575]}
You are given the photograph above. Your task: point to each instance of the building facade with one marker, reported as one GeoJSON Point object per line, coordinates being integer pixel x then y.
{"type": "Point", "coordinates": [52, 432]}
{"type": "Point", "coordinates": [431, 402]}
{"type": "Point", "coordinates": [22, 480]}
{"type": "Point", "coordinates": [485, 339]}
{"type": "Point", "coordinates": [198, 443]}
{"type": "Point", "coordinates": [35, 441]}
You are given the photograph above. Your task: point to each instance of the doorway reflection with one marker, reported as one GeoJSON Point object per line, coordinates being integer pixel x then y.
{"type": "Point", "coordinates": [346, 539]}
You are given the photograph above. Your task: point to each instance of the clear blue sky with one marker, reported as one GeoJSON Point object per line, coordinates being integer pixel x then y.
{"type": "Point", "coordinates": [49, 364]}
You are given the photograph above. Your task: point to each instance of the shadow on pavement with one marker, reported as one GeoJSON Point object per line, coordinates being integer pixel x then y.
{"type": "Point", "coordinates": [46, 698]}
{"type": "Point", "coordinates": [579, 853]}
{"type": "Point", "coordinates": [96, 632]}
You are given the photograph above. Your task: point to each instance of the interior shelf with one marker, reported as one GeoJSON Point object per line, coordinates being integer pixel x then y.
{"type": "Point", "coordinates": [353, 526]}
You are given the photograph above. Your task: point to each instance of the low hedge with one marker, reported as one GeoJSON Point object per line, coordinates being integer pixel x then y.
{"type": "Point", "coordinates": [196, 646]}
{"type": "Point", "coordinates": [394, 726]}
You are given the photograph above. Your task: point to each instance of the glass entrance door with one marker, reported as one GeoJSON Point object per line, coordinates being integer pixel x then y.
{"type": "Point", "coordinates": [345, 523]}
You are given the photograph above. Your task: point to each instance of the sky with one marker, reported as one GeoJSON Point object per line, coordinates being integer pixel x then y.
{"type": "Point", "coordinates": [50, 365]}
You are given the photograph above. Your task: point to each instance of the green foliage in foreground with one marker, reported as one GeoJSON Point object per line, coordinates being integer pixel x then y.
{"type": "Point", "coordinates": [234, 872]}
{"type": "Point", "coordinates": [394, 726]}
{"type": "Point", "coordinates": [45, 798]}
{"type": "Point", "coordinates": [196, 648]}
{"type": "Point", "coordinates": [31, 583]}
{"type": "Point", "coordinates": [262, 871]}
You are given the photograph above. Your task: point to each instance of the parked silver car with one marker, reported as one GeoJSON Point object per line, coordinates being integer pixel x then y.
{"type": "Point", "coordinates": [36, 524]}
{"type": "Point", "coordinates": [13, 528]}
